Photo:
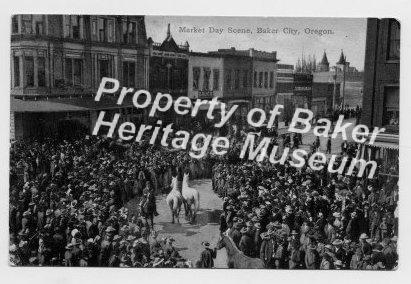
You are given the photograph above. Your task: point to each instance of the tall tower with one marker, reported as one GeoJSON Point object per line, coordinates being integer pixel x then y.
{"type": "Point", "coordinates": [324, 65]}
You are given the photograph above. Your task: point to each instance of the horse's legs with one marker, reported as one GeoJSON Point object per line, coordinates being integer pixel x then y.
{"type": "Point", "coordinates": [178, 214]}
{"type": "Point", "coordinates": [185, 207]}
{"type": "Point", "coordinates": [172, 213]}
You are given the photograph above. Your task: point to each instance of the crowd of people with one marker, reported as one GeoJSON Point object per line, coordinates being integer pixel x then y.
{"type": "Point", "coordinates": [68, 207]}
{"type": "Point", "coordinates": [297, 218]}
{"type": "Point", "coordinates": [67, 203]}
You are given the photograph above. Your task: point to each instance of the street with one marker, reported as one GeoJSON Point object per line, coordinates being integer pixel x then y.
{"type": "Point", "coordinates": [309, 138]}
{"type": "Point", "coordinates": [188, 237]}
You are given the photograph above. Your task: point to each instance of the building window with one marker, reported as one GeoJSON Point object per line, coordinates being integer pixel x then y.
{"type": "Point", "coordinates": [102, 29]}
{"type": "Point", "coordinates": [129, 32]}
{"type": "Point", "coordinates": [245, 79]}
{"type": "Point", "coordinates": [94, 28]}
{"type": "Point", "coordinates": [391, 112]}
{"type": "Point", "coordinates": [271, 80]}
{"type": "Point", "coordinates": [394, 40]}
{"type": "Point", "coordinates": [16, 62]}
{"type": "Point", "coordinates": [104, 68]}
{"type": "Point", "coordinates": [237, 79]}
{"type": "Point", "coordinates": [196, 78]}
{"type": "Point", "coordinates": [110, 31]}
{"type": "Point", "coordinates": [177, 79]}
{"type": "Point", "coordinates": [255, 79]}
{"type": "Point", "coordinates": [266, 80]}
{"type": "Point", "coordinates": [27, 24]}
{"type": "Point", "coordinates": [41, 71]}
{"type": "Point", "coordinates": [228, 80]}
{"type": "Point", "coordinates": [29, 66]}
{"type": "Point", "coordinates": [72, 26]}
{"type": "Point", "coordinates": [129, 73]}
{"type": "Point", "coordinates": [38, 24]}
{"type": "Point", "coordinates": [206, 79]}
{"type": "Point", "coordinates": [14, 24]}
{"type": "Point", "coordinates": [216, 79]}
{"type": "Point", "coordinates": [260, 80]}
{"type": "Point", "coordinates": [73, 69]}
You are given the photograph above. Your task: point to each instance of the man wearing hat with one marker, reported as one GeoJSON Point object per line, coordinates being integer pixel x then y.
{"type": "Point", "coordinates": [267, 249]}
{"type": "Point", "coordinates": [246, 244]}
{"type": "Point", "coordinates": [311, 257]}
{"type": "Point", "coordinates": [235, 234]}
{"type": "Point", "coordinates": [207, 256]}
{"type": "Point", "coordinates": [327, 261]}
{"type": "Point", "coordinates": [364, 245]}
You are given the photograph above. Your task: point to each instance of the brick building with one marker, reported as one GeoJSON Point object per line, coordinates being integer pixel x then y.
{"type": "Point", "coordinates": [381, 91]}
{"type": "Point", "coordinates": [57, 62]}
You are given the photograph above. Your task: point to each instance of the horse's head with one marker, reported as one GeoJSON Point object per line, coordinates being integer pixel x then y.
{"type": "Point", "coordinates": [221, 243]}
{"type": "Point", "coordinates": [186, 176]}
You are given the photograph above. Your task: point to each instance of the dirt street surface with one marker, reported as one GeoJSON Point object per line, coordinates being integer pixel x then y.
{"type": "Point", "coordinates": [189, 236]}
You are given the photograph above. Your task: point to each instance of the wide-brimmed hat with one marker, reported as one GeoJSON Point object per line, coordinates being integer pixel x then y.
{"type": "Point", "coordinates": [130, 238]}
{"type": "Point", "coordinates": [205, 244]}
{"type": "Point", "coordinates": [243, 230]}
{"type": "Point", "coordinates": [117, 237]}
{"type": "Point", "coordinates": [337, 242]}
{"type": "Point", "coordinates": [294, 232]}
{"type": "Point", "coordinates": [338, 263]}
{"type": "Point", "coordinates": [110, 229]}
{"type": "Point", "coordinates": [328, 246]}
{"type": "Point", "coordinates": [363, 236]}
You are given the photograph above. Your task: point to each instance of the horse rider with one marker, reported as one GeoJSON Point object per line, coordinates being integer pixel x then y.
{"type": "Point", "coordinates": [148, 203]}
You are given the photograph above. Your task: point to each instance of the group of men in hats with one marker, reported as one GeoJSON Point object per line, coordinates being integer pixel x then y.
{"type": "Point", "coordinates": [68, 203]}
{"type": "Point", "coordinates": [299, 218]}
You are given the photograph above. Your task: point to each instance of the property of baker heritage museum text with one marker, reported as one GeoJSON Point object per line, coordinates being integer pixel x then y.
{"type": "Point", "coordinates": [204, 142]}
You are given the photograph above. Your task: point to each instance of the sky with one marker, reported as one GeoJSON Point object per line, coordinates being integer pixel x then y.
{"type": "Point", "coordinates": [348, 34]}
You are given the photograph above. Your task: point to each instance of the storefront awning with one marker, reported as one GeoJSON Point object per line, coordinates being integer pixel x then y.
{"type": "Point", "coordinates": [384, 145]}
{"type": "Point", "coordinates": [42, 106]}
{"type": "Point", "coordinates": [238, 102]}
{"type": "Point", "coordinates": [207, 106]}
{"type": "Point", "coordinates": [67, 104]}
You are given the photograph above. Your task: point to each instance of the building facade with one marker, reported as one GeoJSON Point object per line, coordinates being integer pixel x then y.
{"type": "Point", "coordinates": [168, 70]}
{"type": "Point", "coordinates": [57, 63]}
{"type": "Point", "coordinates": [285, 90]}
{"type": "Point", "coordinates": [381, 106]}
{"type": "Point", "coordinates": [348, 78]}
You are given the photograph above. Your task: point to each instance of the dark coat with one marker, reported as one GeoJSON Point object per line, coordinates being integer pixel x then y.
{"type": "Point", "coordinates": [267, 250]}
{"type": "Point", "coordinates": [206, 259]}
{"type": "Point", "coordinates": [247, 244]}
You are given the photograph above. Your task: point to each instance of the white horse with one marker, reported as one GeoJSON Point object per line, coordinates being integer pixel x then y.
{"type": "Point", "coordinates": [175, 199]}
{"type": "Point", "coordinates": [191, 196]}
